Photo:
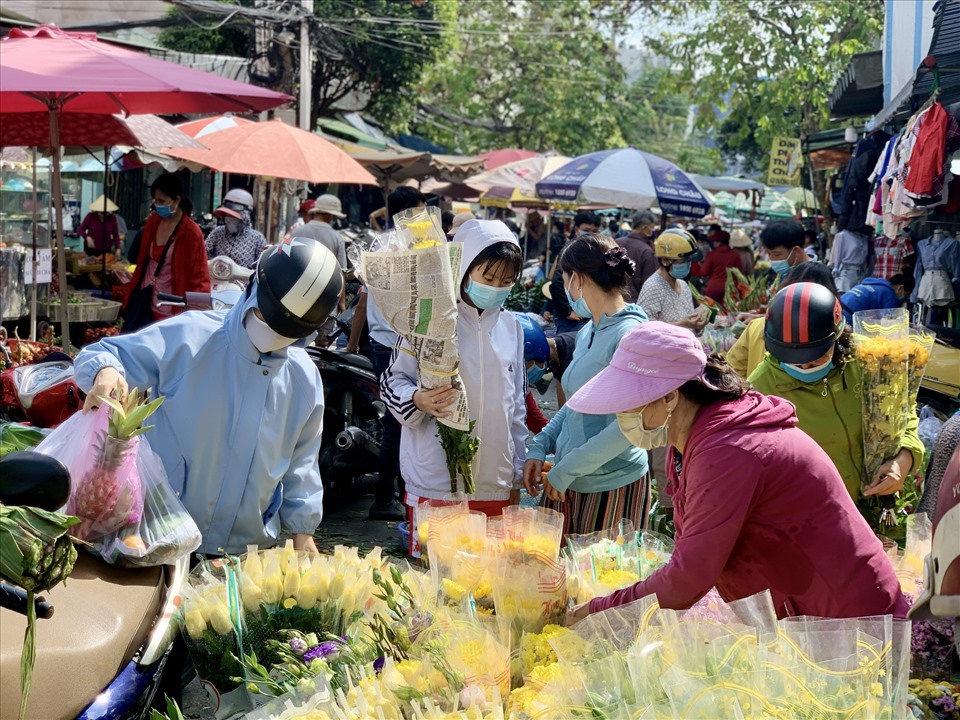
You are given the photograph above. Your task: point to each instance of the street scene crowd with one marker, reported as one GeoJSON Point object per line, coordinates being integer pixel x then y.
{"type": "Point", "coordinates": [647, 442]}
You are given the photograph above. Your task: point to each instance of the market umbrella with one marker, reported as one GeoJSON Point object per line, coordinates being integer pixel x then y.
{"type": "Point", "coordinates": [626, 178]}
{"type": "Point", "coordinates": [46, 70]}
{"type": "Point", "coordinates": [521, 176]}
{"type": "Point", "coordinates": [450, 191]}
{"type": "Point", "coordinates": [772, 204]}
{"type": "Point", "coordinates": [496, 158]}
{"type": "Point", "coordinates": [277, 150]}
{"type": "Point", "coordinates": [801, 198]}
{"type": "Point", "coordinates": [205, 126]}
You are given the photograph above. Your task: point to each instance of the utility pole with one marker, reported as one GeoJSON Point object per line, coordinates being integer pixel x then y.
{"type": "Point", "coordinates": [306, 68]}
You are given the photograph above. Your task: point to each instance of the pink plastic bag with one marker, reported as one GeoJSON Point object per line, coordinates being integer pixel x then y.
{"type": "Point", "coordinates": [105, 492]}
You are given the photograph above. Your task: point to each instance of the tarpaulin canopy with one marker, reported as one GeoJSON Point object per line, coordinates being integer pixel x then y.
{"type": "Point", "coordinates": [146, 131]}
{"type": "Point", "coordinates": [496, 158]}
{"type": "Point", "coordinates": [728, 184]}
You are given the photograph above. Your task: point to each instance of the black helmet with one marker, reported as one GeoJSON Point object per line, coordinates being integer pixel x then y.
{"type": "Point", "coordinates": [803, 321]}
{"type": "Point", "coordinates": [298, 285]}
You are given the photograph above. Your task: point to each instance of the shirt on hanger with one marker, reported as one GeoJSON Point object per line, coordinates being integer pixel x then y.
{"type": "Point", "coordinates": [941, 256]}
{"type": "Point", "coordinates": [891, 255]}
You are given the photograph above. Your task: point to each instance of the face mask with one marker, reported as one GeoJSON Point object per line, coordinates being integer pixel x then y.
{"type": "Point", "coordinates": [164, 211]}
{"type": "Point", "coordinates": [782, 267]}
{"type": "Point", "coordinates": [579, 306]}
{"type": "Point", "coordinates": [631, 425]}
{"type": "Point", "coordinates": [810, 375]}
{"type": "Point", "coordinates": [232, 225]}
{"type": "Point", "coordinates": [262, 336]}
{"type": "Point", "coordinates": [679, 270]}
{"type": "Point", "coordinates": [486, 297]}
{"type": "Point", "coordinates": [535, 373]}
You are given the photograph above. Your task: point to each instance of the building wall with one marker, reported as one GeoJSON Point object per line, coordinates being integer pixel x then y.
{"type": "Point", "coordinates": [65, 13]}
{"type": "Point", "coordinates": [908, 30]}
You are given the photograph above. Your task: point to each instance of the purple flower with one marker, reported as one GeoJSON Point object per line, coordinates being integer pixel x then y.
{"type": "Point", "coordinates": [298, 646]}
{"type": "Point", "coordinates": [324, 649]}
{"type": "Point", "coordinates": [378, 665]}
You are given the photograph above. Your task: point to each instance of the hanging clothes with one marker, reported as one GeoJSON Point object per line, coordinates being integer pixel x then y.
{"type": "Point", "coordinates": [891, 254]}
{"type": "Point", "coordinates": [856, 198]}
{"type": "Point", "coordinates": [936, 137]}
{"type": "Point", "coordinates": [937, 273]}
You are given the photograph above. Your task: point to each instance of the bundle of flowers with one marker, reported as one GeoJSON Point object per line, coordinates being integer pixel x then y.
{"type": "Point", "coordinates": [239, 613]}
{"type": "Point", "coordinates": [932, 700]}
{"type": "Point", "coordinates": [413, 276]}
{"type": "Point", "coordinates": [882, 347]}
{"type": "Point", "coordinates": [742, 294]}
{"type": "Point", "coordinates": [603, 562]}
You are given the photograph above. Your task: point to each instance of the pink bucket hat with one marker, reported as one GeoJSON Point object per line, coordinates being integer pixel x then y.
{"type": "Point", "coordinates": [652, 359]}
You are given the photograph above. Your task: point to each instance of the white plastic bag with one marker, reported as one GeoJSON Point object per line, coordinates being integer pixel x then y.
{"type": "Point", "coordinates": [165, 530]}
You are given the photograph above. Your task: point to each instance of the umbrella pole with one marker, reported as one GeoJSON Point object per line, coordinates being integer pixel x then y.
{"type": "Point", "coordinates": [103, 225]}
{"type": "Point", "coordinates": [33, 259]}
{"type": "Point", "coordinates": [56, 191]}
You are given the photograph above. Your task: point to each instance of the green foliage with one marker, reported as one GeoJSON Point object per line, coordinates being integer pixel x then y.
{"type": "Point", "coordinates": [372, 52]}
{"type": "Point", "coordinates": [770, 65]}
{"type": "Point", "coordinates": [173, 711]}
{"type": "Point", "coordinates": [537, 74]}
{"type": "Point", "coordinates": [656, 118]}
{"type": "Point", "coordinates": [234, 38]}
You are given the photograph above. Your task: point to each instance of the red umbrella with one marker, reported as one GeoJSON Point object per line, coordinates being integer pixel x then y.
{"type": "Point", "coordinates": [47, 70]}
{"type": "Point", "coordinates": [496, 158]}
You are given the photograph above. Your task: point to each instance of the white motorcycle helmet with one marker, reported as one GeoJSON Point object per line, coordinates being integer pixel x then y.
{"type": "Point", "coordinates": [298, 285]}
{"type": "Point", "coordinates": [234, 203]}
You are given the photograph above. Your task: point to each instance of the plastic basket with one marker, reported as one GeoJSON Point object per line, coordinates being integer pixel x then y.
{"type": "Point", "coordinates": [76, 312]}
{"type": "Point", "coordinates": [109, 310]}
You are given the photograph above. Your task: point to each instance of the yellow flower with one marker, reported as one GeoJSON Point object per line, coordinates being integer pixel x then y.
{"type": "Point", "coordinates": [484, 589]}
{"type": "Point", "coordinates": [251, 595]}
{"type": "Point", "coordinates": [876, 689]}
{"type": "Point", "coordinates": [291, 582]}
{"type": "Point", "coordinates": [453, 590]}
{"type": "Point", "coordinates": [195, 624]}
{"type": "Point", "coordinates": [220, 619]}
{"type": "Point", "coordinates": [617, 579]}
{"type": "Point", "coordinates": [544, 674]}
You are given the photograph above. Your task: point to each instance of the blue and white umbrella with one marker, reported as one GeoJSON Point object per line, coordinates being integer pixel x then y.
{"type": "Point", "coordinates": [626, 178]}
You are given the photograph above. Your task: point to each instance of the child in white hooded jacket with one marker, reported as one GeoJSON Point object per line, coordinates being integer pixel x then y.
{"type": "Point", "coordinates": [490, 344]}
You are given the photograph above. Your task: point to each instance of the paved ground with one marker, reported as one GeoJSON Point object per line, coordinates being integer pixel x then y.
{"type": "Point", "coordinates": [345, 525]}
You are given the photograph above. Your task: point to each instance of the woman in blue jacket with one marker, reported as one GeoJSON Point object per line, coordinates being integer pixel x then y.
{"type": "Point", "coordinates": [598, 476]}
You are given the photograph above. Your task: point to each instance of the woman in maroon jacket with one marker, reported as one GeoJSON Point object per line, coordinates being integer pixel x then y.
{"type": "Point", "coordinates": [172, 256]}
{"type": "Point", "coordinates": [757, 504]}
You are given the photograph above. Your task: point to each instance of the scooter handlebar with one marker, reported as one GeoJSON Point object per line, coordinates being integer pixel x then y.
{"type": "Point", "coordinates": [167, 297]}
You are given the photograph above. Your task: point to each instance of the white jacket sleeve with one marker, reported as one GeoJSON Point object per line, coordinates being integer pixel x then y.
{"type": "Point", "coordinates": [399, 383]}
{"type": "Point", "coordinates": [518, 426]}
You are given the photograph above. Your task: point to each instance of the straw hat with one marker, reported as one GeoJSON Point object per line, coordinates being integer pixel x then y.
{"type": "Point", "coordinates": [739, 239]}
{"type": "Point", "coordinates": [327, 205]}
{"type": "Point", "coordinates": [98, 205]}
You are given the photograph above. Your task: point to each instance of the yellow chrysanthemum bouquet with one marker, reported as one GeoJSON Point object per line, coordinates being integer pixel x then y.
{"type": "Point", "coordinates": [892, 357]}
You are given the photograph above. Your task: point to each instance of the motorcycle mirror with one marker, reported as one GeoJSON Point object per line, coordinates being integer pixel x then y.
{"type": "Point", "coordinates": [30, 478]}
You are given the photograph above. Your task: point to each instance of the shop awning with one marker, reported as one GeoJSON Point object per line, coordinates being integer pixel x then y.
{"type": "Point", "coordinates": [859, 91]}
{"type": "Point", "coordinates": [344, 131]}
{"type": "Point", "coordinates": [732, 185]}
{"type": "Point", "coordinates": [945, 74]}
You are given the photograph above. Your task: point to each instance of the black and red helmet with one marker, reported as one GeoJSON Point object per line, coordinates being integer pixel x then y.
{"type": "Point", "coordinates": [803, 321]}
{"type": "Point", "coordinates": [298, 286]}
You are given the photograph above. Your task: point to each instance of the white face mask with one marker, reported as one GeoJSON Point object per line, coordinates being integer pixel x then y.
{"type": "Point", "coordinates": [631, 425]}
{"type": "Point", "coordinates": [232, 225]}
{"type": "Point", "coordinates": [262, 336]}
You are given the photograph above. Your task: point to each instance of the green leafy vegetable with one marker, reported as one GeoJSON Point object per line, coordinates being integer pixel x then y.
{"type": "Point", "coordinates": [460, 448]}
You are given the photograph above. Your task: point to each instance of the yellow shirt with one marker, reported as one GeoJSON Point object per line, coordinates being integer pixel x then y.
{"type": "Point", "coordinates": [748, 351]}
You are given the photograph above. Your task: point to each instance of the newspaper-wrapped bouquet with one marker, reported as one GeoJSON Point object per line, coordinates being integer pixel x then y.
{"type": "Point", "coordinates": [412, 273]}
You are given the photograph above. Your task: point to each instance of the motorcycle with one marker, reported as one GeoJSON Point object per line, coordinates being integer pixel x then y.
{"type": "Point", "coordinates": [111, 631]}
{"type": "Point", "coordinates": [226, 275]}
{"type": "Point", "coordinates": [43, 394]}
{"type": "Point", "coordinates": [940, 386]}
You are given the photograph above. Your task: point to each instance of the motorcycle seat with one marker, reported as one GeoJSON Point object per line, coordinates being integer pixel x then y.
{"type": "Point", "coordinates": [101, 618]}
{"type": "Point", "coordinates": [948, 335]}
{"type": "Point", "coordinates": [353, 359]}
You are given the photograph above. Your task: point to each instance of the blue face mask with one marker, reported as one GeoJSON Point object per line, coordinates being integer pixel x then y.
{"type": "Point", "coordinates": [810, 375]}
{"type": "Point", "coordinates": [780, 267]}
{"type": "Point", "coordinates": [579, 306]}
{"type": "Point", "coordinates": [486, 297]}
{"type": "Point", "coordinates": [679, 270]}
{"type": "Point", "coordinates": [164, 211]}
{"type": "Point", "coordinates": [535, 373]}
